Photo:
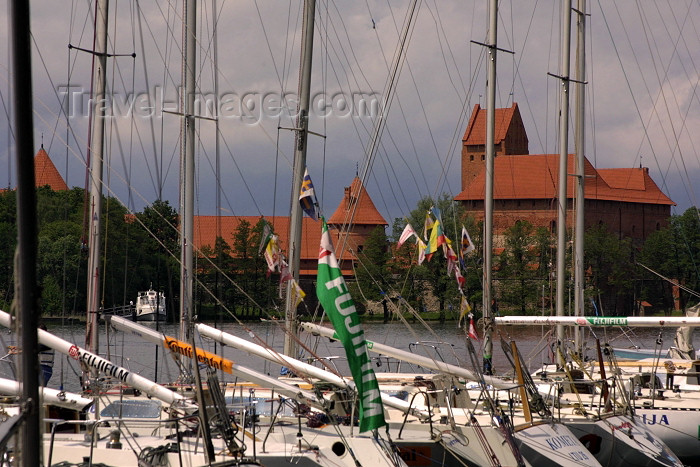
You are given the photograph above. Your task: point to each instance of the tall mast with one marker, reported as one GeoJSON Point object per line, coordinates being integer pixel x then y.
{"type": "Point", "coordinates": [563, 157]}
{"type": "Point", "coordinates": [579, 142]}
{"type": "Point", "coordinates": [26, 231]}
{"type": "Point", "coordinates": [488, 196]}
{"type": "Point", "coordinates": [96, 149]}
{"type": "Point", "coordinates": [187, 168]}
{"type": "Point", "coordinates": [307, 39]}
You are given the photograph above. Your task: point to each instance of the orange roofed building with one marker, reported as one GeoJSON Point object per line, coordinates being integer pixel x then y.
{"type": "Point", "coordinates": [365, 219]}
{"type": "Point", "coordinates": [626, 200]}
{"type": "Point", "coordinates": [45, 173]}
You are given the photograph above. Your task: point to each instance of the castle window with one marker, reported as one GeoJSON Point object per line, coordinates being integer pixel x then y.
{"type": "Point", "coordinates": [471, 158]}
{"type": "Point", "coordinates": [658, 226]}
{"type": "Point", "coordinates": [634, 228]}
{"type": "Point", "coordinates": [552, 226]}
{"type": "Point", "coordinates": [483, 157]}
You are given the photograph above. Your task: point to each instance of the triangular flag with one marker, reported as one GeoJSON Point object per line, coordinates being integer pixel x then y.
{"type": "Point", "coordinates": [460, 279]}
{"type": "Point", "coordinates": [467, 244]}
{"type": "Point", "coordinates": [307, 197]}
{"type": "Point", "coordinates": [266, 235]}
{"type": "Point", "coordinates": [405, 235]}
{"type": "Point", "coordinates": [297, 294]}
{"type": "Point", "coordinates": [437, 238]}
{"type": "Point", "coordinates": [472, 328]}
{"type": "Point", "coordinates": [285, 275]}
{"type": "Point", "coordinates": [421, 251]}
{"type": "Point", "coordinates": [451, 257]}
{"type": "Point", "coordinates": [428, 224]}
{"type": "Point", "coordinates": [464, 308]}
{"type": "Point", "coordinates": [272, 252]}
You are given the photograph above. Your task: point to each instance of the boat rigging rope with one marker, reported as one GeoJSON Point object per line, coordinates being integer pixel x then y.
{"type": "Point", "coordinates": [503, 422]}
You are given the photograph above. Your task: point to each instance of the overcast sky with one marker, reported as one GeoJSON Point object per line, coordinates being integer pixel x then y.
{"type": "Point", "coordinates": [642, 99]}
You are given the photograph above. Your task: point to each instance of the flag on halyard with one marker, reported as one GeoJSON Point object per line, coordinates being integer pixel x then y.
{"type": "Point", "coordinates": [464, 309]}
{"type": "Point", "coordinates": [407, 233]}
{"type": "Point", "coordinates": [428, 224]}
{"type": "Point", "coordinates": [297, 294]}
{"type": "Point", "coordinates": [340, 308]}
{"type": "Point", "coordinates": [472, 328]}
{"type": "Point", "coordinates": [266, 236]}
{"type": "Point", "coordinates": [437, 238]}
{"type": "Point", "coordinates": [451, 256]}
{"type": "Point", "coordinates": [272, 253]}
{"type": "Point", "coordinates": [285, 274]}
{"type": "Point", "coordinates": [460, 279]}
{"type": "Point", "coordinates": [307, 197]}
{"type": "Point", "coordinates": [467, 244]}
{"type": "Point", "coordinates": [421, 251]}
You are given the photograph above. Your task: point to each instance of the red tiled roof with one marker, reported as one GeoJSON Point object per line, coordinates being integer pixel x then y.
{"type": "Point", "coordinates": [476, 129]}
{"type": "Point", "coordinates": [366, 213]}
{"type": "Point", "coordinates": [45, 172]}
{"type": "Point", "coordinates": [536, 177]}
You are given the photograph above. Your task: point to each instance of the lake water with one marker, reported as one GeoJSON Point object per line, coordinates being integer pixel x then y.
{"type": "Point", "coordinates": [440, 340]}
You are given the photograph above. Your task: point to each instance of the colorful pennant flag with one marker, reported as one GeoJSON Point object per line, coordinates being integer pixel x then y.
{"type": "Point", "coordinates": [452, 260]}
{"type": "Point", "coordinates": [266, 236]}
{"type": "Point", "coordinates": [472, 328]}
{"type": "Point", "coordinates": [421, 251]}
{"type": "Point", "coordinates": [272, 253]}
{"type": "Point", "coordinates": [340, 308]}
{"type": "Point", "coordinates": [464, 309]}
{"type": "Point", "coordinates": [460, 279]}
{"type": "Point", "coordinates": [307, 197]}
{"type": "Point", "coordinates": [437, 238]}
{"type": "Point", "coordinates": [285, 275]}
{"type": "Point", "coordinates": [297, 294]}
{"type": "Point", "coordinates": [407, 233]}
{"type": "Point", "coordinates": [467, 244]}
{"type": "Point", "coordinates": [428, 224]}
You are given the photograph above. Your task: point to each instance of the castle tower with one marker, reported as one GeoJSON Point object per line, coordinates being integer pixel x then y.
{"type": "Point", "coordinates": [509, 138]}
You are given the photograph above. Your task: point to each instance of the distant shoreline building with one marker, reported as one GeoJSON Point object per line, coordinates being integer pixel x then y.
{"type": "Point", "coordinates": [626, 200]}
{"type": "Point", "coordinates": [356, 205]}
{"type": "Point", "coordinates": [365, 219]}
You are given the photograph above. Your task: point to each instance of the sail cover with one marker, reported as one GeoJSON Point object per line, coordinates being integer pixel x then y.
{"type": "Point", "coordinates": [340, 308]}
{"type": "Point", "coordinates": [683, 342]}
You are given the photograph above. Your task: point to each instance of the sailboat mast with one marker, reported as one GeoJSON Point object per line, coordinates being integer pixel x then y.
{"type": "Point", "coordinates": [96, 161]}
{"type": "Point", "coordinates": [563, 172]}
{"type": "Point", "coordinates": [187, 168]}
{"type": "Point", "coordinates": [26, 232]}
{"type": "Point", "coordinates": [290, 345]}
{"type": "Point", "coordinates": [488, 196]}
{"type": "Point", "coordinates": [579, 142]}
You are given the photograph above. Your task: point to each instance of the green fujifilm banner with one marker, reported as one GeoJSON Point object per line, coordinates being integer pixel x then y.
{"type": "Point", "coordinates": [337, 302]}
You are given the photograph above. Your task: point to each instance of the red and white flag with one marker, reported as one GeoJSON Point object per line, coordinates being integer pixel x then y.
{"type": "Point", "coordinates": [407, 233]}
{"type": "Point", "coordinates": [472, 328]}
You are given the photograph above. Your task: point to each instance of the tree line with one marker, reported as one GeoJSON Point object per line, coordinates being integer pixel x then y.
{"type": "Point", "coordinates": [141, 250]}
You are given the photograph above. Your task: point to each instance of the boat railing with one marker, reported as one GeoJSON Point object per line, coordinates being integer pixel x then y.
{"type": "Point", "coordinates": [412, 408]}
{"type": "Point", "coordinates": [597, 405]}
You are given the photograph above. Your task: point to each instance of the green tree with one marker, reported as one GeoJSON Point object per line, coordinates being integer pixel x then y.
{"type": "Point", "coordinates": [612, 273]}
{"type": "Point", "coordinates": [158, 256]}
{"type": "Point", "coordinates": [672, 252]}
{"type": "Point", "coordinates": [371, 271]}
{"type": "Point", "coordinates": [519, 288]}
